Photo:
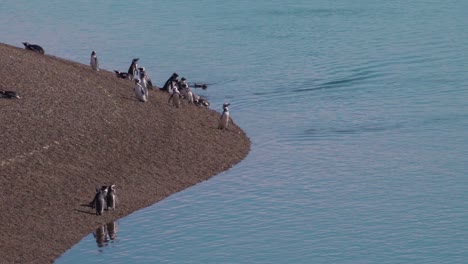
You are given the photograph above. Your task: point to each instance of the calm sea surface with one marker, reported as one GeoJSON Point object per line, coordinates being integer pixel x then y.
{"type": "Point", "coordinates": [357, 110]}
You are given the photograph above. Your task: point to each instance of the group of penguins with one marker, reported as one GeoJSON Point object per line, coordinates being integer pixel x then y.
{"type": "Point", "coordinates": [178, 89]}
{"type": "Point", "coordinates": [105, 197]}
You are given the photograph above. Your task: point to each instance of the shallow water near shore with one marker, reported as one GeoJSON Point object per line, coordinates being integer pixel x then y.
{"type": "Point", "coordinates": [357, 114]}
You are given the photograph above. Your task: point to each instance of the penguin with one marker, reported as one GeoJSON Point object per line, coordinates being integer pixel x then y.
{"type": "Point", "coordinates": [169, 81]}
{"type": "Point", "coordinates": [100, 201]}
{"type": "Point", "coordinates": [140, 91]}
{"type": "Point", "coordinates": [175, 96]}
{"type": "Point", "coordinates": [111, 197]}
{"type": "Point", "coordinates": [203, 86]}
{"type": "Point", "coordinates": [143, 77]}
{"type": "Point", "coordinates": [190, 96]}
{"type": "Point", "coordinates": [224, 120]}
{"type": "Point", "coordinates": [93, 203]}
{"type": "Point", "coordinates": [33, 47]}
{"type": "Point", "coordinates": [122, 75]}
{"type": "Point", "coordinates": [200, 101]}
{"type": "Point", "coordinates": [9, 94]}
{"type": "Point", "coordinates": [94, 61]}
{"type": "Point", "coordinates": [133, 69]}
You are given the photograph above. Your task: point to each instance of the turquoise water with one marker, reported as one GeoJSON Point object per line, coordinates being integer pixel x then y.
{"type": "Point", "coordinates": [357, 111]}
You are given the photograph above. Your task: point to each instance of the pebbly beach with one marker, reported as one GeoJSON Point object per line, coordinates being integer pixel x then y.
{"type": "Point", "coordinates": [74, 129]}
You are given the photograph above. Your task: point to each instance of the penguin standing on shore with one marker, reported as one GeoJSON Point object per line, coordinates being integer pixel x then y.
{"type": "Point", "coordinates": [175, 96]}
{"type": "Point", "coordinates": [100, 200]}
{"type": "Point", "coordinates": [111, 197]}
{"type": "Point", "coordinates": [224, 120]}
{"type": "Point", "coordinates": [133, 69]}
{"type": "Point", "coordinates": [33, 47]}
{"type": "Point", "coordinates": [94, 61]}
{"type": "Point", "coordinates": [140, 91]}
{"type": "Point", "coordinates": [169, 81]}
{"type": "Point", "coordinates": [143, 77]}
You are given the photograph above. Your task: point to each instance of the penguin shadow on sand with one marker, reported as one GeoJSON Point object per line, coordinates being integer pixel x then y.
{"type": "Point", "coordinates": [106, 234]}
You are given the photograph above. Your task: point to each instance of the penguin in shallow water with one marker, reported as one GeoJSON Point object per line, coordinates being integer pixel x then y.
{"type": "Point", "coordinates": [94, 61]}
{"type": "Point", "coordinates": [140, 91]}
{"type": "Point", "coordinates": [224, 120]}
{"type": "Point", "coordinates": [111, 197]}
{"type": "Point", "coordinates": [9, 94]}
{"type": "Point", "coordinates": [133, 69]}
{"type": "Point", "coordinates": [33, 47]}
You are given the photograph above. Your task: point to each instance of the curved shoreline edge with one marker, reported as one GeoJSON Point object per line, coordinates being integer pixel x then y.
{"type": "Point", "coordinates": [75, 129]}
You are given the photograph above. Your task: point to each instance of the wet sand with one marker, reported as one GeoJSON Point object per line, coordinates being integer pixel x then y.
{"type": "Point", "coordinates": [75, 129]}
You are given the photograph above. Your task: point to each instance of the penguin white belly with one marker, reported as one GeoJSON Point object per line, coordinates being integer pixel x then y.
{"type": "Point", "coordinates": [224, 121]}
{"type": "Point", "coordinates": [176, 99]}
{"type": "Point", "coordinates": [190, 97]}
{"type": "Point", "coordinates": [141, 94]}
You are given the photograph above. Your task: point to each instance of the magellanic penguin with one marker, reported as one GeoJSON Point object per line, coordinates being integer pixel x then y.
{"type": "Point", "coordinates": [175, 96]}
{"type": "Point", "coordinates": [133, 69]}
{"type": "Point", "coordinates": [111, 197]}
{"type": "Point", "coordinates": [166, 87]}
{"type": "Point", "coordinates": [224, 120]}
{"type": "Point", "coordinates": [104, 189]}
{"type": "Point", "coordinates": [94, 61]}
{"type": "Point", "coordinates": [9, 94]}
{"type": "Point", "coordinates": [33, 47]}
{"type": "Point", "coordinates": [144, 78]}
{"type": "Point", "coordinates": [122, 75]}
{"type": "Point", "coordinates": [140, 91]}
{"type": "Point", "coordinates": [100, 201]}
{"type": "Point", "coordinates": [200, 101]}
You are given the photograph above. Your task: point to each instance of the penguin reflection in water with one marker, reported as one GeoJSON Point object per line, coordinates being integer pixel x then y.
{"type": "Point", "coordinates": [94, 61]}
{"type": "Point", "coordinates": [224, 120]}
{"type": "Point", "coordinates": [105, 234]}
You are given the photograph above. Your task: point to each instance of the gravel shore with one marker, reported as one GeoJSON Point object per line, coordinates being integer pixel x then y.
{"type": "Point", "coordinates": [75, 129]}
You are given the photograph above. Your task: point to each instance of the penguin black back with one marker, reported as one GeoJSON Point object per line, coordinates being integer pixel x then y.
{"type": "Point", "coordinates": [9, 94]}
{"type": "Point", "coordinates": [33, 47]}
{"type": "Point", "coordinates": [99, 200]}
{"type": "Point", "coordinates": [132, 70]}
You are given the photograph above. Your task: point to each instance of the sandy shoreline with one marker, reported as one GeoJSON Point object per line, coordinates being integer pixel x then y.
{"type": "Point", "coordinates": [75, 129]}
